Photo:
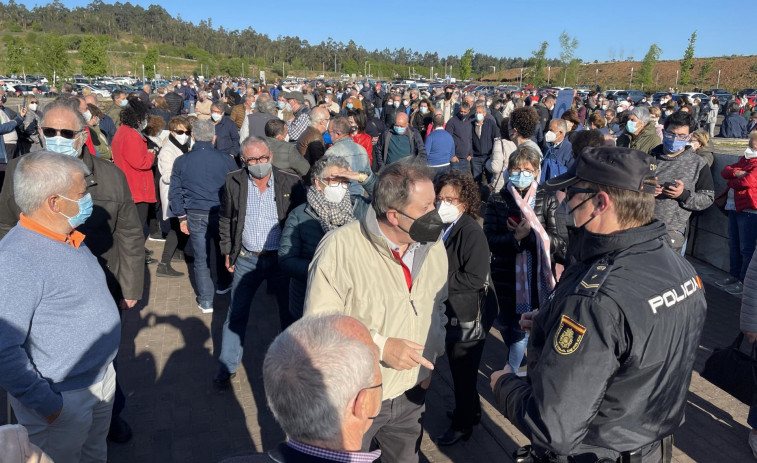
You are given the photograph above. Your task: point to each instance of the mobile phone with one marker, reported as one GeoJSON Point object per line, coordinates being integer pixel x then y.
{"type": "Point", "coordinates": [669, 185]}
{"type": "Point", "coordinates": [516, 216]}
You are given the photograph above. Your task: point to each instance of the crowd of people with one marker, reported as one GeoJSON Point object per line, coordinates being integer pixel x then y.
{"type": "Point", "coordinates": [423, 219]}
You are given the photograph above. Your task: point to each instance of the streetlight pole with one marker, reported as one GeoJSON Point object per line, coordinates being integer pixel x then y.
{"type": "Point", "coordinates": [631, 78]}
{"type": "Point", "coordinates": [718, 84]}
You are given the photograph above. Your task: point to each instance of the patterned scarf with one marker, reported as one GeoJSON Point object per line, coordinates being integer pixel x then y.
{"type": "Point", "coordinates": [524, 260]}
{"type": "Point", "coordinates": [329, 214]}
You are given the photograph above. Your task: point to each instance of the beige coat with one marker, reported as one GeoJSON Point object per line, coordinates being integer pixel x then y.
{"type": "Point", "coordinates": [354, 272]}
{"type": "Point", "coordinates": [16, 448]}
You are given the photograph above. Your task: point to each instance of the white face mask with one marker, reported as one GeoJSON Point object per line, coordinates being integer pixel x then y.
{"type": "Point", "coordinates": [216, 117]}
{"type": "Point", "coordinates": [143, 125]}
{"type": "Point", "coordinates": [749, 153]}
{"type": "Point", "coordinates": [87, 115]}
{"type": "Point", "coordinates": [182, 139]}
{"type": "Point", "coordinates": [33, 106]}
{"type": "Point", "coordinates": [335, 193]}
{"type": "Point", "coordinates": [396, 104]}
{"type": "Point", "coordinates": [550, 137]}
{"type": "Point", "coordinates": [406, 102]}
{"type": "Point", "coordinates": [448, 212]}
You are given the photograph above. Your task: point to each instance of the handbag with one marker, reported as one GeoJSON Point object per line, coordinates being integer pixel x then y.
{"type": "Point", "coordinates": [733, 371]}
{"type": "Point", "coordinates": [485, 301]}
{"type": "Point", "coordinates": [720, 201]}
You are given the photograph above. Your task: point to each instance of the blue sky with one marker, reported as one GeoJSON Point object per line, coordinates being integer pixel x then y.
{"type": "Point", "coordinates": [604, 29]}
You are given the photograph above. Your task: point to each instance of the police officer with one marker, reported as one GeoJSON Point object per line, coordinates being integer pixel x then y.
{"type": "Point", "coordinates": [611, 352]}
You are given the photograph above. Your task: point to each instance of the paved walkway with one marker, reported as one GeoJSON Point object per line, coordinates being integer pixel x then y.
{"type": "Point", "coordinates": [167, 364]}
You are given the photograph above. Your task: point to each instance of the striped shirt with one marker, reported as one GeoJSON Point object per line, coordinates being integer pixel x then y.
{"type": "Point", "coordinates": [261, 230]}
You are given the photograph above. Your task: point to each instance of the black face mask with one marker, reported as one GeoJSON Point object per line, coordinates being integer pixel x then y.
{"type": "Point", "coordinates": [566, 221]}
{"type": "Point", "coordinates": [447, 96]}
{"type": "Point", "coordinates": [425, 228]}
{"type": "Point", "coordinates": [462, 116]}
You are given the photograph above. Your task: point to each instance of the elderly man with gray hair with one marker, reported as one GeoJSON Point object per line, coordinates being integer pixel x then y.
{"type": "Point", "coordinates": [640, 134]}
{"type": "Point", "coordinates": [59, 324]}
{"type": "Point", "coordinates": [254, 124]}
{"type": "Point", "coordinates": [197, 181]}
{"type": "Point", "coordinates": [323, 385]}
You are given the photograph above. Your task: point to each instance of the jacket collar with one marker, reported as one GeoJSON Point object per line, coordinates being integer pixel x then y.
{"type": "Point", "coordinates": [370, 227]}
{"type": "Point", "coordinates": [587, 246]}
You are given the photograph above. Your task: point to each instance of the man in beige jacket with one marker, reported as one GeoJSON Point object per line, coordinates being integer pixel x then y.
{"type": "Point", "coordinates": [390, 272]}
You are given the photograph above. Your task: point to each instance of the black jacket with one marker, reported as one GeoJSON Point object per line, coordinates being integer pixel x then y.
{"type": "Point", "coordinates": [175, 103]}
{"type": "Point", "coordinates": [468, 257]}
{"type": "Point", "coordinates": [482, 146]}
{"type": "Point", "coordinates": [113, 232]}
{"type": "Point", "coordinates": [504, 247]}
{"type": "Point", "coordinates": [290, 193]}
{"type": "Point", "coordinates": [611, 352]}
{"type": "Point", "coordinates": [381, 150]}
{"type": "Point", "coordinates": [462, 132]}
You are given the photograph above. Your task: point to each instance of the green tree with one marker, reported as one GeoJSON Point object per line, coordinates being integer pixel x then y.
{"type": "Point", "coordinates": [645, 77]}
{"type": "Point", "coordinates": [93, 56]}
{"type": "Point", "coordinates": [704, 71]}
{"type": "Point", "coordinates": [568, 47]}
{"type": "Point", "coordinates": [15, 56]}
{"type": "Point", "coordinates": [151, 59]}
{"type": "Point", "coordinates": [466, 64]}
{"type": "Point", "coordinates": [687, 64]}
{"type": "Point", "coordinates": [53, 58]}
{"type": "Point", "coordinates": [539, 62]}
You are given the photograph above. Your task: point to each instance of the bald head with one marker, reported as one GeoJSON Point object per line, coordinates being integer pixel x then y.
{"type": "Point", "coordinates": [91, 99]}
{"type": "Point", "coordinates": [401, 119]}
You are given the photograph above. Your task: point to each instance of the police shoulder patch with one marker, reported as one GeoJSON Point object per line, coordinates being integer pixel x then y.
{"type": "Point", "coordinates": [594, 278]}
{"type": "Point", "coordinates": [568, 336]}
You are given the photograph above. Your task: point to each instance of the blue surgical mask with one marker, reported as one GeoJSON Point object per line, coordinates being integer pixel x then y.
{"type": "Point", "coordinates": [62, 145]}
{"type": "Point", "coordinates": [604, 107]}
{"type": "Point", "coordinates": [85, 210]}
{"type": "Point", "coordinates": [479, 117]}
{"type": "Point", "coordinates": [673, 145]}
{"type": "Point", "coordinates": [350, 106]}
{"type": "Point", "coordinates": [521, 179]}
{"type": "Point", "coordinates": [124, 103]}
{"type": "Point", "coordinates": [282, 105]}
{"type": "Point", "coordinates": [399, 130]}
{"type": "Point", "coordinates": [631, 126]}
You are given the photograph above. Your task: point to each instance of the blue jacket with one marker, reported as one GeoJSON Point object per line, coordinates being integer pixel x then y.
{"type": "Point", "coordinates": [197, 179]}
{"type": "Point", "coordinates": [733, 126]}
{"type": "Point", "coordinates": [108, 128]}
{"type": "Point", "coordinates": [227, 136]}
{"type": "Point", "coordinates": [563, 154]}
{"type": "Point", "coordinates": [8, 127]}
{"type": "Point", "coordinates": [462, 132]}
{"type": "Point", "coordinates": [440, 148]}
{"type": "Point", "coordinates": [482, 147]}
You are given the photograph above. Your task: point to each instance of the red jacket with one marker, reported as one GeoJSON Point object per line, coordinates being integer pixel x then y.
{"type": "Point", "coordinates": [744, 187]}
{"type": "Point", "coordinates": [130, 154]}
{"type": "Point", "coordinates": [364, 140]}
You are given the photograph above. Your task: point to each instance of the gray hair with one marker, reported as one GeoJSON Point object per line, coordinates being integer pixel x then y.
{"type": "Point", "coordinates": [220, 105]}
{"type": "Point", "coordinates": [321, 165]}
{"type": "Point", "coordinates": [265, 106]}
{"type": "Point", "coordinates": [203, 93]}
{"type": "Point", "coordinates": [316, 117]}
{"type": "Point", "coordinates": [42, 174]}
{"type": "Point", "coordinates": [641, 113]}
{"type": "Point", "coordinates": [392, 189]}
{"type": "Point", "coordinates": [311, 372]}
{"type": "Point", "coordinates": [203, 130]}
{"type": "Point", "coordinates": [562, 125]}
{"type": "Point", "coordinates": [69, 104]}
{"type": "Point", "coordinates": [251, 141]}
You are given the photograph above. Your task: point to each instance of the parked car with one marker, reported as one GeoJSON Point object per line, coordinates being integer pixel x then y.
{"type": "Point", "coordinates": [634, 95]}
{"type": "Point", "coordinates": [102, 92]}
{"type": "Point", "coordinates": [30, 89]}
{"type": "Point", "coordinates": [747, 92]}
{"type": "Point", "coordinates": [692, 95]}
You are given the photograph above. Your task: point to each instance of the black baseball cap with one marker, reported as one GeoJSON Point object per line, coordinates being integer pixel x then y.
{"type": "Point", "coordinates": [622, 168]}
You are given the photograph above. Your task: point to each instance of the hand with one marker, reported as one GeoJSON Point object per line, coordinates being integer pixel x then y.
{"type": "Point", "coordinates": [498, 374]}
{"type": "Point", "coordinates": [126, 304]}
{"type": "Point", "coordinates": [351, 175]}
{"type": "Point", "coordinates": [425, 383]}
{"type": "Point", "coordinates": [469, 158]}
{"type": "Point", "coordinates": [520, 229]}
{"type": "Point", "coordinates": [750, 336]}
{"type": "Point", "coordinates": [674, 191]}
{"type": "Point", "coordinates": [658, 190]}
{"type": "Point", "coordinates": [739, 173]}
{"type": "Point", "coordinates": [402, 354]}
{"type": "Point", "coordinates": [22, 112]}
{"type": "Point", "coordinates": [230, 268]}
{"type": "Point", "coordinates": [51, 419]}
{"type": "Point", "coordinates": [184, 228]}
{"type": "Point", "coordinates": [527, 321]}
{"type": "Point", "coordinates": [454, 159]}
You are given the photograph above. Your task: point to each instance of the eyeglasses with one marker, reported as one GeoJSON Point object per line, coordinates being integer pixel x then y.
{"type": "Point", "coordinates": [330, 181]}
{"type": "Point", "coordinates": [677, 136]}
{"type": "Point", "coordinates": [380, 385]}
{"type": "Point", "coordinates": [182, 132]}
{"type": "Point", "coordinates": [257, 160]}
{"type": "Point", "coordinates": [449, 199]}
{"type": "Point", "coordinates": [524, 171]}
{"type": "Point", "coordinates": [572, 191]}
{"type": "Point", "coordinates": [68, 134]}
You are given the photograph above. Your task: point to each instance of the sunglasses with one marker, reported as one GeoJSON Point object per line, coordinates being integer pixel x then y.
{"type": "Point", "coordinates": [65, 133]}
{"type": "Point", "coordinates": [182, 132]}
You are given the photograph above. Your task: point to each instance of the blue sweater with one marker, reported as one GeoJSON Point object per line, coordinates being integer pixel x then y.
{"type": "Point", "coordinates": [440, 148]}
{"type": "Point", "coordinates": [197, 179]}
{"type": "Point", "coordinates": [59, 325]}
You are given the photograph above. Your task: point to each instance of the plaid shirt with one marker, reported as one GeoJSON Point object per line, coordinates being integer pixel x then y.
{"type": "Point", "coordinates": [299, 124]}
{"type": "Point", "coordinates": [261, 230]}
{"type": "Point", "coordinates": [343, 457]}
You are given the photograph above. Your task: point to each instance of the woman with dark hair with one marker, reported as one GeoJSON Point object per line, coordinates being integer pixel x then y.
{"type": "Point", "coordinates": [421, 118]}
{"type": "Point", "coordinates": [522, 234]}
{"type": "Point", "coordinates": [160, 108]}
{"type": "Point", "coordinates": [458, 201]}
{"type": "Point", "coordinates": [358, 120]}
{"type": "Point", "coordinates": [574, 123]}
{"type": "Point", "coordinates": [30, 139]}
{"type": "Point", "coordinates": [130, 154]}
{"type": "Point", "coordinates": [99, 139]}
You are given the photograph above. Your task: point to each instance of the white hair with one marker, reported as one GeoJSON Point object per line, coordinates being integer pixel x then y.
{"type": "Point", "coordinates": [641, 113]}
{"type": "Point", "coordinates": [203, 130]}
{"type": "Point", "coordinates": [311, 372]}
{"type": "Point", "coordinates": [42, 174]}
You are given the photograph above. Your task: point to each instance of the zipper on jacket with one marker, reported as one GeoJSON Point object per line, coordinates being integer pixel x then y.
{"type": "Point", "coordinates": [412, 304]}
